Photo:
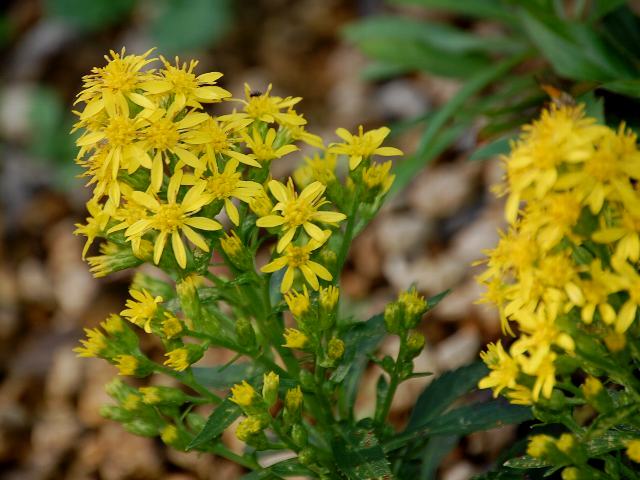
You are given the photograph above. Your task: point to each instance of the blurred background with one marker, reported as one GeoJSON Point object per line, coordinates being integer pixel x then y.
{"type": "Point", "coordinates": [351, 66]}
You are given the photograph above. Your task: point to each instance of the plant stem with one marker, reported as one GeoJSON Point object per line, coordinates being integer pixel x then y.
{"type": "Point", "coordinates": [223, 451]}
{"type": "Point", "coordinates": [348, 235]}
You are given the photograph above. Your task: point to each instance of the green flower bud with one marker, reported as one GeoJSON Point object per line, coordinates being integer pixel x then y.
{"type": "Point", "coordinates": [142, 427]}
{"type": "Point", "coordinates": [335, 349]}
{"type": "Point", "coordinates": [270, 388]}
{"type": "Point", "coordinates": [299, 435]}
{"type": "Point", "coordinates": [414, 343]}
{"type": "Point", "coordinates": [195, 421]}
{"type": "Point", "coordinates": [306, 456]}
{"type": "Point", "coordinates": [158, 395]}
{"type": "Point", "coordinates": [293, 403]}
{"type": "Point", "coordinates": [597, 396]}
{"type": "Point", "coordinates": [393, 318]}
{"type": "Point", "coordinates": [307, 380]}
{"type": "Point", "coordinates": [113, 412]}
{"type": "Point", "coordinates": [190, 301]}
{"type": "Point", "coordinates": [246, 334]}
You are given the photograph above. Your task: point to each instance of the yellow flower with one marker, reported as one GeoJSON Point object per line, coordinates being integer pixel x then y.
{"type": "Point", "coordinates": [150, 395]}
{"type": "Point", "coordinates": [142, 309]}
{"type": "Point", "coordinates": [178, 359]}
{"type": "Point", "coordinates": [329, 297]}
{"type": "Point", "coordinates": [363, 145]}
{"type": "Point", "coordinates": [625, 232]}
{"type": "Point", "coordinates": [188, 89]}
{"type": "Point", "coordinates": [628, 280]}
{"type": "Point", "coordinates": [316, 168]}
{"type": "Point", "coordinates": [378, 177]}
{"type": "Point", "coordinates": [169, 434]}
{"type": "Point", "coordinates": [109, 87]}
{"type": "Point", "coordinates": [171, 326]}
{"type": "Point", "coordinates": [294, 338]}
{"type": "Point", "coordinates": [298, 211]}
{"type": "Point", "coordinates": [293, 399]}
{"type": "Point", "coordinates": [164, 135]}
{"type": "Point", "coordinates": [504, 369]}
{"type": "Point", "coordinates": [127, 364]}
{"type": "Point", "coordinates": [96, 222]}
{"type": "Point", "coordinates": [633, 450]}
{"type": "Point", "coordinates": [94, 345]}
{"type": "Point", "coordinates": [261, 204]}
{"type": "Point", "coordinates": [299, 258]}
{"type": "Point", "coordinates": [248, 427]}
{"type": "Point", "coordinates": [414, 303]}
{"type": "Point", "coordinates": [243, 394]}
{"type": "Point", "coordinates": [220, 138]}
{"type": "Point", "coordinates": [173, 218]}
{"type": "Point", "coordinates": [267, 108]}
{"type": "Point", "coordinates": [228, 184]}
{"type": "Point", "coordinates": [263, 149]}
{"type": "Point", "coordinates": [298, 302]}
{"type": "Point", "coordinates": [538, 445]}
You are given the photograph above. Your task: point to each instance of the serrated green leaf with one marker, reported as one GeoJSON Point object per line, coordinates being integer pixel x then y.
{"type": "Point", "coordinates": [223, 416]}
{"type": "Point", "coordinates": [358, 454]}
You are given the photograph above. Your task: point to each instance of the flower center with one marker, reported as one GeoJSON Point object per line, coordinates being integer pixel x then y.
{"type": "Point", "coordinates": [183, 82]}
{"type": "Point", "coordinates": [223, 185]}
{"type": "Point", "coordinates": [168, 218]}
{"type": "Point", "coordinates": [162, 134]}
{"type": "Point", "coordinates": [297, 256]}
{"type": "Point", "coordinates": [121, 131]}
{"type": "Point", "coordinates": [296, 212]}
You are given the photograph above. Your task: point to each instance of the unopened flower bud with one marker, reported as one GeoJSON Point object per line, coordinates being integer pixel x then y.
{"type": "Point", "coordinates": [246, 334]}
{"type": "Point", "coordinates": [335, 349]}
{"type": "Point", "coordinates": [393, 317]}
{"type": "Point", "coordinates": [160, 395]}
{"type": "Point", "coordinates": [414, 344]}
{"type": "Point", "coordinates": [270, 388]}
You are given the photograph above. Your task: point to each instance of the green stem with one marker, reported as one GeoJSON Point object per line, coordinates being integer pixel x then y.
{"type": "Point", "coordinates": [348, 235]}
{"type": "Point", "coordinates": [393, 384]}
{"type": "Point", "coordinates": [222, 451]}
{"type": "Point", "coordinates": [188, 380]}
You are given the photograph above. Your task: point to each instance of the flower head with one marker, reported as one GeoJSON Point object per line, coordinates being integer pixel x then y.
{"type": "Point", "coordinates": [141, 310]}
{"type": "Point", "coordinates": [363, 145]}
{"type": "Point", "coordinates": [243, 394]}
{"type": "Point", "coordinates": [294, 338]}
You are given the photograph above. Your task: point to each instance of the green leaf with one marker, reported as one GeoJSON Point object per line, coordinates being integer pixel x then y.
{"type": "Point", "coordinates": [630, 88]}
{"type": "Point", "coordinates": [223, 416]}
{"type": "Point", "coordinates": [439, 36]}
{"type": "Point", "coordinates": [190, 24]}
{"type": "Point", "coordinates": [491, 9]}
{"type": "Point", "coordinates": [437, 448]}
{"type": "Point", "coordinates": [432, 302]}
{"type": "Point", "coordinates": [286, 468]}
{"type": "Point", "coordinates": [434, 136]}
{"type": "Point", "coordinates": [464, 420]}
{"type": "Point", "coordinates": [358, 454]}
{"type": "Point", "coordinates": [600, 8]}
{"type": "Point", "coordinates": [382, 389]}
{"type": "Point", "coordinates": [89, 15]}
{"type": "Point", "coordinates": [594, 106]}
{"type": "Point", "coordinates": [223, 376]}
{"type": "Point", "coordinates": [575, 50]}
{"type": "Point", "coordinates": [443, 391]}
{"type": "Point", "coordinates": [361, 340]}
{"type": "Point", "coordinates": [500, 146]}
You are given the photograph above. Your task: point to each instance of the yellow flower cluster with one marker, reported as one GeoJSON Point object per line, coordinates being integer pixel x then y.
{"type": "Point", "coordinates": [163, 170]}
{"type": "Point", "coordinates": [567, 264]}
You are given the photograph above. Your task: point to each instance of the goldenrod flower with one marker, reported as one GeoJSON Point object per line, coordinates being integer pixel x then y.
{"type": "Point", "coordinates": [378, 177]}
{"type": "Point", "coordinates": [504, 369]}
{"type": "Point", "coordinates": [220, 138]}
{"type": "Point", "coordinates": [169, 434]}
{"type": "Point", "coordinates": [299, 258]}
{"type": "Point", "coordinates": [173, 218]}
{"type": "Point", "coordinates": [267, 108]}
{"type": "Point", "coordinates": [328, 297]}
{"type": "Point", "coordinates": [94, 345]}
{"type": "Point", "coordinates": [248, 427]}
{"type": "Point", "coordinates": [189, 89]}
{"type": "Point", "coordinates": [363, 145]}
{"type": "Point", "coordinates": [178, 359]}
{"type": "Point", "coordinates": [298, 302]}
{"type": "Point", "coordinates": [109, 87]}
{"type": "Point", "coordinates": [538, 445]}
{"type": "Point", "coordinates": [171, 326]}
{"type": "Point", "coordinates": [294, 338]}
{"type": "Point", "coordinates": [264, 149]}
{"type": "Point", "coordinates": [261, 204]}
{"type": "Point", "coordinates": [96, 222]}
{"type": "Point", "coordinates": [231, 244]}
{"type": "Point", "coordinates": [142, 308]}
{"type": "Point", "coordinates": [243, 394]}
{"type": "Point", "coordinates": [298, 211]}
{"type": "Point", "coordinates": [316, 168]}
{"type": "Point", "coordinates": [228, 184]}
{"type": "Point", "coordinates": [127, 364]}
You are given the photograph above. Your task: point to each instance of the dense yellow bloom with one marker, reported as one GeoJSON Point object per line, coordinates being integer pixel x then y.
{"type": "Point", "coordinates": [538, 445]}
{"type": "Point", "coordinates": [173, 218]}
{"type": "Point", "coordinates": [298, 211]}
{"type": "Point", "coordinates": [316, 168]}
{"type": "Point", "coordinates": [189, 89]}
{"type": "Point", "coordinates": [171, 326]}
{"type": "Point", "coordinates": [109, 87]}
{"type": "Point", "coordinates": [328, 297]}
{"type": "Point", "coordinates": [142, 308]}
{"type": "Point", "coordinates": [363, 145]}
{"type": "Point", "coordinates": [265, 149]}
{"type": "Point", "coordinates": [178, 359]}
{"type": "Point", "coordinates": [294, 338]}
{"type": "Point", "coordinates": [169, 434]}
{"type": "Point", "coordinates": [96, 222]}
{"type": "Point", "coordinates": [504, 369]}
{"type": "Point", "coordinates": [228, 184]}
{"type": "Point", "coordinates": [268, 108]}
{"type": "Point", "coordinates": [378, 177]}
{"type": "Point", "coordinates": [299, 258]}
{"type": "Point", "coordinates": [243, 394]}
{"type": "Point", "coordinates": [248, 427]}
{"type": "Point", "coordinates": [94, 345]}
{"type": "Point", "coordinates": [298, 302]}
{"type": "Point", "coordinates": [127, 364]}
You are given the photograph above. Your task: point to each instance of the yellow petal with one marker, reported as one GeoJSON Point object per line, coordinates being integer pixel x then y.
{"type": "Point", "coordinates": [178, 249]}
{"type": "Point", "coordinates": [203, 223]}
{"type": "Point", "coordinates": [270, 221]}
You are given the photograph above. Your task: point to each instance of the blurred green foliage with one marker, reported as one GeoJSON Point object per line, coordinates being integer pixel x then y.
{"type": "Point", "coordinates": [586, 48]}
{"type": "Point", "coordinates": [89, 15]}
